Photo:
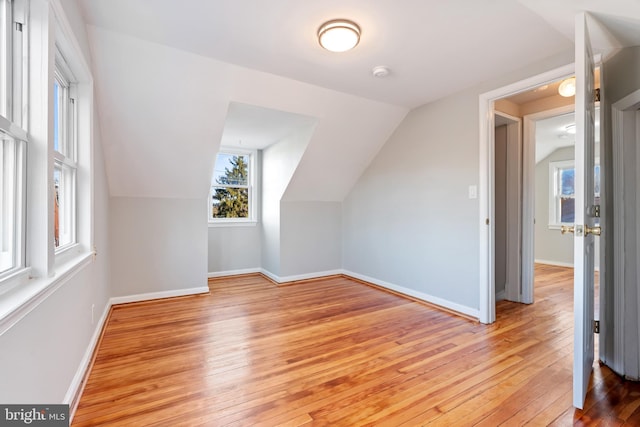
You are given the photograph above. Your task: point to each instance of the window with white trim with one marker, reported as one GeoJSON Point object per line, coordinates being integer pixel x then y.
{"type": "Point", "coordinates": [232, 196]}
{"type": "Point", "coordinates": [54, 180]}
{"type": "Point", "coordinates": [12, 161]}
{"type": "Point", "coordinates": [65, 156]}
{"type": "Point", "coordinates": [13, 136]}
{"type": "Point", "coordinates": [562, 192]}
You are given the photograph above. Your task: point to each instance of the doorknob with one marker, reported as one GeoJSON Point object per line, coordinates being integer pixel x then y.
{"type": "Point", "coordinates": [566, 229]}
{"type": "Point", "coordinates": [596, 231]}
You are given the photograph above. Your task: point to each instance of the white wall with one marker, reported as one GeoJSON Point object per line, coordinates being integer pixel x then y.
{"type": "Point", "coordinates": [550, 245]}
{"type": "Point", "coordinates": [311, 236]}
{"type": "Point", "coordinates": [234, 249]}
{"type": "Point", "coordinates": [279, 162]}
{"type": "Point", "coordinates": [408, 220]}
{"type": "Point", "coordinates": [42, 353]}
{"type": "Point", "coordinates": [159, 245]}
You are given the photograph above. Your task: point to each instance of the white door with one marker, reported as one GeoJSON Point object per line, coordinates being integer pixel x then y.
{"type": "Point", "coordinates": [584, 227]}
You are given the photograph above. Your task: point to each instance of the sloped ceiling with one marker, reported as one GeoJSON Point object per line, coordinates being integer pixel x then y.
{"type": "Point", "coordinates": [620, 19]}
{"type": "Point", "coordinates": [163, 112]}
{"type": "Point", "coordinates": [167, 70]}
{"type": "Point", "coordinates": [256, 128]}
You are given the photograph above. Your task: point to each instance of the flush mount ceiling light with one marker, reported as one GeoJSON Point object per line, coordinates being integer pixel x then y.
{"type": "Point", "coordinates": [570, 129]}
{"type": "Point", "coordinates": [339, 35]}
{"type": "Point", "coordinates": [568, 87]}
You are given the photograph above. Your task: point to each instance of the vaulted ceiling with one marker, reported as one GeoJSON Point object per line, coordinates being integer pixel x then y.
{"type": "Point", "coordinates": [167, 71]}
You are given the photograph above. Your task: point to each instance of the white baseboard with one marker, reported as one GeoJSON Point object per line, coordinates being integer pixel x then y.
{"type": "Point", "coordinates": [75, 388]}
{"type": "Point", "coordinates": [234, 272]}
{"type": "Point", "coordinates": [501, 295]}
{"type": "Point", "coordinates": [556, 263]}
{"type": "Point", "coordinates": [295, 278]}
{"type": "Point", "coordinates": [473, 312]}
{"type": "Point", "coordinates": [158, 295]}
{"type": "Point", "coordinates": [270, 275]}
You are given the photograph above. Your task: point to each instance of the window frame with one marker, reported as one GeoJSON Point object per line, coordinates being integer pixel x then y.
{"type": "Point", "coordinates": [65, 157]}
{"type": "Point", "coordinates": [555, 167]}
{"type": "Point", "coordinates": [251, 220]}
{"type": "Point", "coordinates": [43, 268]}
{"type": "Point", "coordinates": [13, 68]}
{"type": "Point", "coordinates": [13, 61]}
{"type": "Point", "coordinates": [16, 229]}
{"type": "Point", "coordinates": [6, 58]}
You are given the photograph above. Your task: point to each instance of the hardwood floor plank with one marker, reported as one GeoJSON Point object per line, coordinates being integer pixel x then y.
{"type": "Point", "coordinates": [337, 352]}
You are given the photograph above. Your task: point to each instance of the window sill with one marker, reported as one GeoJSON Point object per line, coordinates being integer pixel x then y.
{"type": "Point", "coordinates": [19, 301]}
{"type": "Point", "coordinates": [67, 253]}
{"type": "Point", "coordinates": [213, 224]}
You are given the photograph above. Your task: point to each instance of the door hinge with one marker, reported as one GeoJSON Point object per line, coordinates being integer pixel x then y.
{"type": "Point", "coordinates": [19, 26]}
{"type": "Point", "coordinates": [596, 211]}
{"type": "Point", "coordinates": [596, 95]}
{"type": "Point", "coordinates": [596, 326]}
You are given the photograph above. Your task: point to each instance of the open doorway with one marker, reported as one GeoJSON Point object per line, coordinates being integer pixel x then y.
{"type": "Point", "coordinates": [514, 196]}
{"type": "Point", "coordinates": [546, 196]}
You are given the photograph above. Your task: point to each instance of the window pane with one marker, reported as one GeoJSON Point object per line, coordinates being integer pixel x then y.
{"type": "Point", "coordinates": [231, 169]}
{"type": "Point", "coordinates": [567, 180]}
{"type": "Point", "coordinates": [567, 209]}
{"type": "Point", "coordinates": [64, 206]}
{"type": "Point", "coordinates": [229, 202]}
{"type": "Point", "coordinates": [56, 116]}
{"type": "Point", "coordinates": [8, 207]}
{"type": "Point", "coordinates": [5, 58]}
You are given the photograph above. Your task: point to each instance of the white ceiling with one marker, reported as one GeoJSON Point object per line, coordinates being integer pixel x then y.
{"type": "Point", "coordinates": [170, 75]}
{"type": "Point", "coordinates": [551, 134]}
{"type": "Point", "coordinates": [422, 41]}
{"type": "Point", "coordinates": [255, 128]}
{"type": "Point", "coordinates": [620, 17]}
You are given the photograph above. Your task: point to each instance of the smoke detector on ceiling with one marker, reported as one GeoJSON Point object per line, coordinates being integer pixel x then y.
{"type": "Point", "coordinates": [380, 71]}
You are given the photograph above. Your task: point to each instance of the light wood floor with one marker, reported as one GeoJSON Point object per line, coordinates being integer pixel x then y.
{"type": "Point", "coordinates": [337, 352]}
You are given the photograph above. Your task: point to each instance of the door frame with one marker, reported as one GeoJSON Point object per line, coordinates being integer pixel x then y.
{"type": "Point", "coordinates": [625, 130]}
{"type": "Point", "coordinates": [486, 196]}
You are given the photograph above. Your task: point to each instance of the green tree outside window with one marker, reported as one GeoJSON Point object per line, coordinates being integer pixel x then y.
{"type": "Point", "coordinates": [230, 192]}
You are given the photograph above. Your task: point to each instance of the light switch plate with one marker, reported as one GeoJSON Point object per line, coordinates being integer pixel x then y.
{"type": "Point", "coordinates": [473, 191]}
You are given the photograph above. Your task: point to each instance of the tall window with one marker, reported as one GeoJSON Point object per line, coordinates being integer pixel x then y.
{"type": "Point", "coordinates": [65, 164]}
{"type": "Point", "coordinates": [13, 136]}
{"type": "Point", "coordinates": [232, 189]}
{"type": "Point", "coordinates": [562, 191]}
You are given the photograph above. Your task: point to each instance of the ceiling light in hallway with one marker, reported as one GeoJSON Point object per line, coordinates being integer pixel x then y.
{"type": "Point", "coordinates": [568, 87]}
